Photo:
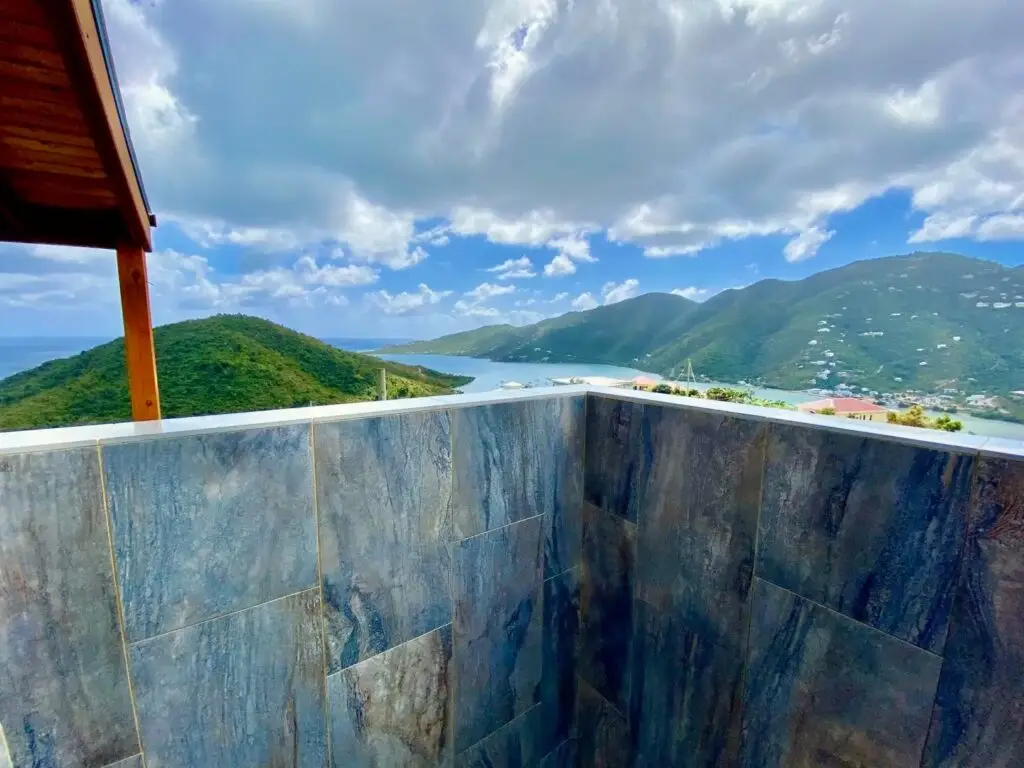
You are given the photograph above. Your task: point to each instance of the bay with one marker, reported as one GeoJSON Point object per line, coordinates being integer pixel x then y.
{"type": "Point", "coordinates": [489, 375]}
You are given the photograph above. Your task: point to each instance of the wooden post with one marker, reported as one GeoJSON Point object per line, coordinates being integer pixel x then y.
{"type": "Point", "coordinates": [138, 333]}
{"type": "Point", "coordinates": [382, 385]}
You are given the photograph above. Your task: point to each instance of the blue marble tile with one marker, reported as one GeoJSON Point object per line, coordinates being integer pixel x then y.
{"type": "Point", "coordinates": [561, 651]}
{"type": "Point", "coordinates": [700, 490]}
{"type": "Point", "coordinates": [242, 689]}
{"type": "Point", "coordinates": [686, 693]}
{"type": "Point", "coordinates": [517, 744]}
{"type": "Point", "coordinates": [384, 502]}
{"type": "Point", "coordinates": [822, 689]}
{"type": "Point", "coordinates": [978, 718]}
{"type": "Point", "coordinates": [563, 524]}
{"type": "Point", "coordinates": [604, 738]}
{"type": "Point", "coordinates": [565, 755]}
{"type": "Point", "coordinates": [869, 528]}
{"type": "Point", "coordinates": [208, 524]}
{"type": "Point", "coordinates": [606, 603]}
{"type": "Point", "coordinates": [614, 455]}
{"type": "Point", "coordinates": [395, 708]}
{"type": "Point", "coordinates": [64, 696]}
{"type": "Point", "coordinates": [517, 460]}
{"type": "Point", "coordinates": [498, 629]}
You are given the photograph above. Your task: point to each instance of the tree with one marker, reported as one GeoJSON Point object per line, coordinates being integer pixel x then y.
{"type": "Point", "coordinates": [915, 417]}
{"type": "Point", "coordinates": [912, 417]}
{"type": "Point", "coordinates": [726, 395]}
{"type": "Point", "coordinates": [662, 389]}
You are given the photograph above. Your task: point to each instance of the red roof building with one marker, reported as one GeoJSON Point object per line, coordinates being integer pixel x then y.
{"type": "Point", "coordinates": [849, 407]}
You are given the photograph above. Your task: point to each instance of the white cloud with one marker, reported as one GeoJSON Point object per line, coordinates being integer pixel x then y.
{"type": "Point", "coordinates": [806, 244]}
{"type": "Point", "coordinates": [571, 249]}
{"type": "Point", "coordinates": [693, 293]}
{"type": "Point", "coordinates": [559, 266]}
{"type": "Point", "coordinates": [514, 269]}
{"type": "Point", "coordinates": [1003, 227]}
{"type": "Point", "coordinates": [562, 296]}
{"type": "Point", "coordinates": [406, 303]}
{"type": "Point", "coordinates": [675, 125]}
{"type": "Point", "coordinates": [613, 293]}
{"type": "Point", "coordinates": [584, 302]}
{"type": "Point", "coordinates": [487, 291]}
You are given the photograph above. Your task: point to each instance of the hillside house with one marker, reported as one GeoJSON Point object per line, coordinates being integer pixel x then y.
{"type": "Point", "coordinates": [849, 407]}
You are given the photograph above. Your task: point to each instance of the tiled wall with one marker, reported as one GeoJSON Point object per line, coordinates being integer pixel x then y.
{"type": "Point", "coordinates": [397, 590]}
{"type": "Point", "coordinates": [540, 582]}
{"type": "Point", "coordinates": [766, 594]}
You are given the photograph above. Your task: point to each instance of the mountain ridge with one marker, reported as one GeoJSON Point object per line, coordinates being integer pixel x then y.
{"type": "Point", "coordinates": [221, 364]}
{"type": "Point", "coordinates": [869, 324]}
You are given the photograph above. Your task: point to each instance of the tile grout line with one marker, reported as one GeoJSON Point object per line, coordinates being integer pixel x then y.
{"type": "Point", "coordinates": [961, 568]}
{"type": "Point", "coordinates": [5, 749]}
{"type": "Point", "coordinates": [320, 590]}
{"type": "Point", "coordinates": [843, 616]}
{"type": "Point", "coordinates": [222, 616]}
{"type": "Point", "coordinates": [501, 727]}
{"type": "Point", "coordinates": [753, 574]}
{"type": "Point", "coordinates": [500, 528]}
{"type": "Point", "coordinates": [377, 655]}
{"type": "Point", "coordinates": [583, 473]}
{"type": "Point", "coordinates": [453, 689]}
{"type": "Point", "coordinates": [108, 519]}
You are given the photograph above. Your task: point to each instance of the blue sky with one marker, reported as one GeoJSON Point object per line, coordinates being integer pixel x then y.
{"type": "Point", "coordinates": [365, 169]}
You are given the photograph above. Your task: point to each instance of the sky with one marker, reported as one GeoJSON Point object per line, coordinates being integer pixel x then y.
{"type": "Point", "coordinates": [409, 169]}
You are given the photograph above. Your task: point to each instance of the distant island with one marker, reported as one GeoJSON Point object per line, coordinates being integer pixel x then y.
{"type": "Point", "coordinates": [935, 327]}
{"type": "Point", "coordinates": [223, 364]}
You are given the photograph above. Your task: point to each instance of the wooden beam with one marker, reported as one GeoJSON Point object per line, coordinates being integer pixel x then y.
{"type": "Point", "coordinates": [83, 227]}
{"type": "Point", "coordinates": [140, 354]}
{"type": "Point", "coordinates": [75, 29]}
{"type": "Point", "coordinates": [10, 210]}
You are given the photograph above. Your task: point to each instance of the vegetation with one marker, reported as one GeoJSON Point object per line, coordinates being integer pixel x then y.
{"type": "Point", "coordinates": [721, 394]}
{"type": "Point", "coordinates": [878, 319]}
{"type": "Point", "coordinates": [915, 417]}
{"type": "Point", "coordinates": [222, 364]}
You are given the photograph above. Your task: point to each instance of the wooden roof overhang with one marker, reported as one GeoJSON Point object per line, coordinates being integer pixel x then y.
{"type": "Point", "coordinates": [68, 174]}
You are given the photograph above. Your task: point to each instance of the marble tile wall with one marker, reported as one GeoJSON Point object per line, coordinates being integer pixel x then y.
{"type": "Point", "coordinates": [770, 594]}
{"type": "Point", "coordinates": [398, 589]}
{"type": "Point", "coordinates": [543, 582]}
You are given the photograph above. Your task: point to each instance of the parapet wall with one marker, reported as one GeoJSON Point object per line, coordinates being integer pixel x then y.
{"type": "Point", "coordinates": [549, 578]}
{"type": "Point", "coordinates": [764, 592]}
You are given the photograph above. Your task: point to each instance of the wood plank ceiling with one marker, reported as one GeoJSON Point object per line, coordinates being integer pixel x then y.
{"type": "Point", "coordinates": [56, 185]}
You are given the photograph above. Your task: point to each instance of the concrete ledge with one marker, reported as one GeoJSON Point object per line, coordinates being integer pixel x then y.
{"type": "Point", "coordinates": [75, 437]}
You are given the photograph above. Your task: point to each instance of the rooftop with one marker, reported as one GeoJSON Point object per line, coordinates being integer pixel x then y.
{"type": "Point", "coordinates": [842, 405]}
{"type": "Point", "coordinates": [510, 578]}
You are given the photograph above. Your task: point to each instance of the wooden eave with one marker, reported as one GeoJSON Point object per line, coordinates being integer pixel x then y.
{"type": "Point", "coordinates": [67, 171]}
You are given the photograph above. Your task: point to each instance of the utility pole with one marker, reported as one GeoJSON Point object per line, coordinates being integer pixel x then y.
{"type": "Point", "coordinates": [689, 374]}
{"type": "Point", "coordinates": [382, 385]}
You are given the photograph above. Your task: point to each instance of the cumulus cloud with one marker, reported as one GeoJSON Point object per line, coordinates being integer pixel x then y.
{"type": "Point", "coordinates": [613, 293]}
{"type": "Point", "coordinates": [693, 293]}
{"type": "Point", "coordinates": [806, 244]}
{"type": "Point", "coordinates": [584, 302]}
{"type": "Point", "coordinates": [405, 303]}
{"type": "Point", "coordinates": [514, 269]}
{"type": "Point", "coordinates": [571, 249]}
{"type": "Point", "coordinates": [486, 291]}
{"type": "Point", "coordinates": [672, 125]}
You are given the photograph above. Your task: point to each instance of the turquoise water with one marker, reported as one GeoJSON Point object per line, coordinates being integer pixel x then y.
{"type": "Point", "coordinates": [489, 375]}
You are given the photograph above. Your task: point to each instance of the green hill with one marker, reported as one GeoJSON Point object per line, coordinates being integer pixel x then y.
{"type": "Point", "coordinates": [223, 364]}
{"type": "Point", "coordinates": [616, 334]}
{"type": "Point", "coordinates": [922, 321]}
